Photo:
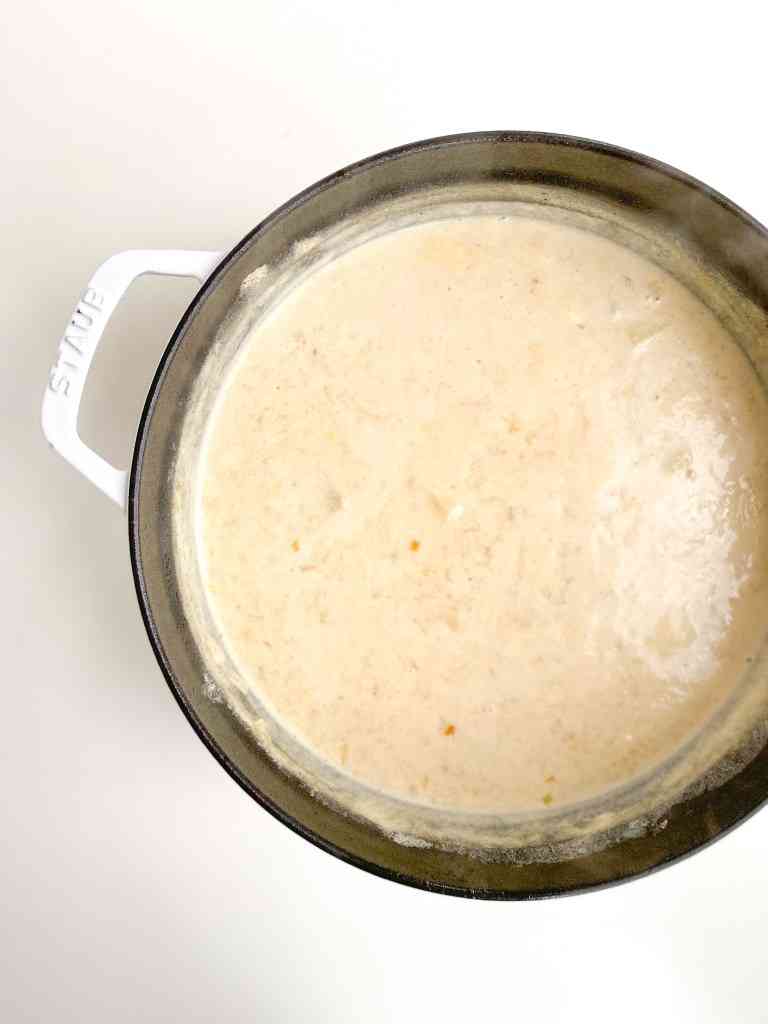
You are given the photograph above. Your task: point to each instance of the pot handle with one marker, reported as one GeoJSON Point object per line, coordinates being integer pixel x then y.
{"type": "Point", "coordinates": [61, 401]}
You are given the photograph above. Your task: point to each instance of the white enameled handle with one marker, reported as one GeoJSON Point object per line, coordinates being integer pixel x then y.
{"type": "Point", "coordinates": [61, 402]}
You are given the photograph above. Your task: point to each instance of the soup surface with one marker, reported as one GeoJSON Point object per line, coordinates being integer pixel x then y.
{"type": "Point", "coordinates": [482, 513]}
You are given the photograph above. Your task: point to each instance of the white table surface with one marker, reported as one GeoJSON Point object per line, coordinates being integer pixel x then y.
{"type": "Point", "coordinates": [138, 882]}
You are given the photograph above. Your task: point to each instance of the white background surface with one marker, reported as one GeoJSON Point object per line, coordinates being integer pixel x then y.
{"type": "Point", "coordinates": [138, 882]}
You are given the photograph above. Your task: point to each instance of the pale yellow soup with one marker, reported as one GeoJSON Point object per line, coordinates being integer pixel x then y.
{"type": "Point", "coordinates": [483, 513]}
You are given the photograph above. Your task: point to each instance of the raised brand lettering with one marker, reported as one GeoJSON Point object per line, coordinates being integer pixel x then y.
{"type": "Point", "coordinates": [82, 320]}
{"type": "Point", "coordinates": [68, 341]}
{"type": "Point", "coordinates": [59, 382]}
{"type": "Point", "coordinates": [75, 341]}
{"type": "Point", "coordinates": [93, 298]}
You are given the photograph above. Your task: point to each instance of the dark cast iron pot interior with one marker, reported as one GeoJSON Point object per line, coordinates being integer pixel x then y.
{"type": "Point", "coordinates": [725, 238]}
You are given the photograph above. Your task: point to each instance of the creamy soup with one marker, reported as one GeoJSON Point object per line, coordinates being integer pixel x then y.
{"type": "Point", "coordinates": [482, 513]}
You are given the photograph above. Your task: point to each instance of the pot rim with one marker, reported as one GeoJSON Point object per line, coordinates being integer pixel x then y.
{"type": "Point", "coordinates": [438, 142]}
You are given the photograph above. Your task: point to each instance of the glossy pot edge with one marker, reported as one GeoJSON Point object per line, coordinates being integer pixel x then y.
{"type": "Point", "coordinates": [633, 858]}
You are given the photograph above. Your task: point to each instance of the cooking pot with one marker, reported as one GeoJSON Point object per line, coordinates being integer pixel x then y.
{"type": "Point", "coordinates": [716, 249]}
